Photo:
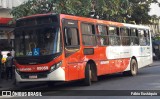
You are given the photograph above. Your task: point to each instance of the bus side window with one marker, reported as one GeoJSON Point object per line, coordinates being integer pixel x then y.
{"type": "Point", "coordinates": [114, 38]}
{"type": "Point", "coordinates": [102, 35]}
{"type": "Point", "coordinates": [134, 36]}
{"type": "Point", "coordinates": [71, 37]}
{"type": "Point", "coordinates": [125, 36]}
{"type": "Point", "coordinates": [147, 37]}
{"type": "Point", "coordinates": [88, 34]}
{"type": "Point", "coordinates": [142, 38]}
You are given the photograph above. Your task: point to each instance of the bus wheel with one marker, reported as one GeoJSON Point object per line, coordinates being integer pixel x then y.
{"type": "Point", "coordinates": [88, 75]}
{"type": "Point", "coordinates": [133, 67]}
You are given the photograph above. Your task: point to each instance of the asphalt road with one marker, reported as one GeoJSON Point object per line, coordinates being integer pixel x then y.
{"type": "Point", "coordinates": [148, 78]}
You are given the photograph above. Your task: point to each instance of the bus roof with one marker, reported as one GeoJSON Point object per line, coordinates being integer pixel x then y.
{"type": "Point", "coordinates": [36, 15]}
{"type": "Point", "coordinates": [104, 22]}
{"type": "Point", "coordinates": [90, 20]}
{"type": "Point", "coordinates": [135, 26]}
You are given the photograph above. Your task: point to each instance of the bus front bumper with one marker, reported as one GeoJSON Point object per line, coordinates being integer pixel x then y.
{"type": "Point", "coordinates": [56, 75]}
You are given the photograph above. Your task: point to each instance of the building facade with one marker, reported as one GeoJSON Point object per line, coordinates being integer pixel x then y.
{"type": "Point", "coordinates": [6, 34]}
{"type": "Point", "coordinates": [7, 5]}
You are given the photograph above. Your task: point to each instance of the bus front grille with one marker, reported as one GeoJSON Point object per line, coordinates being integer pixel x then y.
{"type": "Point", "coordinates": [27, 75]}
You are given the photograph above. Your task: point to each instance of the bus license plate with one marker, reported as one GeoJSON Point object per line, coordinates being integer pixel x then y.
{"type": "Point", "coordinates": [33, 77]}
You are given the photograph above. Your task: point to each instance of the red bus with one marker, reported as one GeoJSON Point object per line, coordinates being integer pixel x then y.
{"type": "Point", "coordinates": [58, 47]}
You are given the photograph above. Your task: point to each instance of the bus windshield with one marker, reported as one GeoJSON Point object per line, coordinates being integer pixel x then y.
{"type": "Point", "coordinates": [37, 42]}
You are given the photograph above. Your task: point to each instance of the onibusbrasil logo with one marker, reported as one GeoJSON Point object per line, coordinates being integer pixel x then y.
{"type": "Point", "coordinates": [20, 94]}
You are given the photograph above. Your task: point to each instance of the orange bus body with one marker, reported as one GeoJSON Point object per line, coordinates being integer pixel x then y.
{"type": "Point", "coordinates": [75, 64]}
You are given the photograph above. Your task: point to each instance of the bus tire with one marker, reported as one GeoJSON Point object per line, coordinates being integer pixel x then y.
{"type": "Point", "coordinates": [88, 75]}
{"type": "Point", "coordinates": [133, 67]}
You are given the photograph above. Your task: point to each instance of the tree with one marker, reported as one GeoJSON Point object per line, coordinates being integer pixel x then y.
{"type": "Point", "coordinates": [140, 9]}
{"type": "Point", "coordinates": [33, 7]}
{"type": "Point", "coordinates": [155, 20]}
{"type": "Point", "coordinates": [75, 7]}
{"type": "Point", "coordinates": [114, 10]}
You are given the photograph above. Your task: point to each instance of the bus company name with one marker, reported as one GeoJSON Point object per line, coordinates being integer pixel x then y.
{"type": "Point", "coordinates": [40, 68]}
{"type": "Point", "coordinates": [24, 69]}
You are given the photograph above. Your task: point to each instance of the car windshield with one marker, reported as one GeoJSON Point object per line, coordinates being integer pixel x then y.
{"type": "Point", "coordinates": [44, 41]}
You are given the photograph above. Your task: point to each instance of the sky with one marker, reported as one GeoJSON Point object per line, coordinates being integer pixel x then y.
{"type": "Point", "coordinates": [18, 2]}
{"type": "Point", "coordinates": [155, 9]}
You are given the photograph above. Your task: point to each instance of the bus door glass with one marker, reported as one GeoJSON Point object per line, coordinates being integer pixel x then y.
{"type": "Point", "coordinates": [147, 36]}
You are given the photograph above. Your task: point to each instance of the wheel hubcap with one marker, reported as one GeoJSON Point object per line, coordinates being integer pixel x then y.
{"type": "Point", "coordinates": [134, 68]}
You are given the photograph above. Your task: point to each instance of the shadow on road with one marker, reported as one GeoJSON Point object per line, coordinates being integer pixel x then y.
{"type": "Point", "coordinates": [78, 85]}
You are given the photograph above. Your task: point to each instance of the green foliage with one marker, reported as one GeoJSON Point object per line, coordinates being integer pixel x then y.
{"type": "Point", "coordinates": [75, 7]}
{"type": "Point", "coordinates": [156, 39]}
{"type": "Point", "coordinates": [115, 10]}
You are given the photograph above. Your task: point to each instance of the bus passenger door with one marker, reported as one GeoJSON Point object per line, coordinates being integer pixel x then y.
{"type": "Point", "coordinates": [72, 46]}
{"type": "Point", "coordinates": [144, 47]}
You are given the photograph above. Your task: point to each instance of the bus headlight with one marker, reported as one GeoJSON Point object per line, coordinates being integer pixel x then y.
{"type": "Point", "coordinates": [55, 66]}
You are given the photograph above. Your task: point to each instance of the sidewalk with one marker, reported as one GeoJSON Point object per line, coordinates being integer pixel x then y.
{"type": "Point", "coordinates": [6, 84]}
{"type": "Point", "coordinates": [10, 85]}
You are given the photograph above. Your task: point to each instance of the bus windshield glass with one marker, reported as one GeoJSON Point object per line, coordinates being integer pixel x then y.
{"type": "Point", "coordinates": [37, 42]}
